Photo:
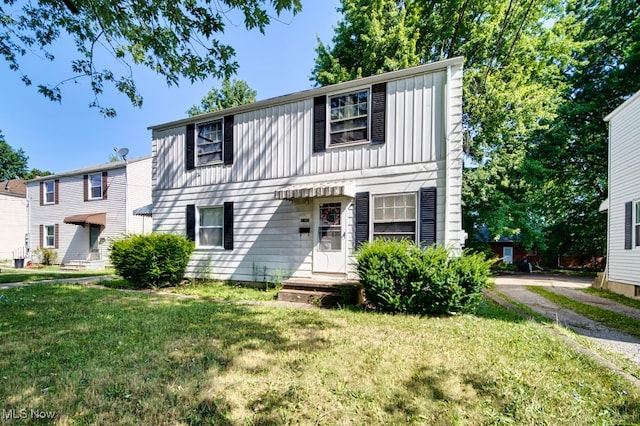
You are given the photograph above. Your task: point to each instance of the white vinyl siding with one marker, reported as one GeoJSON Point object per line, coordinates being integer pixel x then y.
{"type": "Point", "coordinates": [13, 227]}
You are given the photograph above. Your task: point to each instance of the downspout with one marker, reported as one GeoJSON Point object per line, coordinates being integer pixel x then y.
{"type": "Point", "coordinates": [605, 273]}
{"type": "Point", "coordinates": [447, 156]}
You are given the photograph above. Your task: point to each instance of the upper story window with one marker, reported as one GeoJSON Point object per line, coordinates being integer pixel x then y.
{"type": "Point", "coordinates": [395, 216]}
{"type": "Point", "coordinates": [95, 186]}
{"type": "Point", "coordinates": [209, 143]}
{"type": "Point", "coordinates": [49, 192]}
{"type": "Point", "coordinates": [349, 117]}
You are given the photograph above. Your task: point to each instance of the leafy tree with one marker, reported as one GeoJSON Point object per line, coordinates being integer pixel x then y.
{"type": "Point", "coordinates": [173, 38]}
{"type": "Point", "coordinates": [13, 163]}
{"type": "Point", "coordinates": [514, 62]}
{"type": "Point", "coordinates": [34, 173]}
{"type": "Point", "coordinates": [234, 93]}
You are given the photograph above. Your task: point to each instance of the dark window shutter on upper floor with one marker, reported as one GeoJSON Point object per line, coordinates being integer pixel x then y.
{"type": "Point", "coordinates": [378, 112]}
{"type": "Point", "coordinates": [319, 123]}
{"type": "Point", "coordinates": [56, 191]}
{"type": "Point", "coordinates": [227, 137]}
{"type": "Point", "coordinates": [105, 185]}
{"type": "Point", "coordinates": [427, 209]}
{"type": "Point", "coordinates": [628, 225]}
{"type": "Point", "coordinates": [41, 194]}
{"type": "Point", "coordinates": [191, 222]}
{"type": "Point", "coordinates": [362, 218]}
{"type": "Point", "coordinates": [190, 147]}
{"type": "Point", "coordinates": [228, 226]}
{"type": "Point", "coordinates": [85, 185]}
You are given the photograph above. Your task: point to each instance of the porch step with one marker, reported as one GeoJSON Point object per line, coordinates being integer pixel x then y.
{"type": "Point", "coordinates": [321, 292]}
{"type": "Point", "coordinates": [83, 265]}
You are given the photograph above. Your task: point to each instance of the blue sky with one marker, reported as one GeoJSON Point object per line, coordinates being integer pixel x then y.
{"type": "Point", "coordinates": [70, 135]}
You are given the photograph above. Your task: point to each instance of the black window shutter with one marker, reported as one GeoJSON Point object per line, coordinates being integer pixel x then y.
{"type": "Point", "coordinates": [362, 218]}
{"type": "Point", "coordinates": [56, 191]}
{"type": "Point", "coordinates": [319, 123]}
{"type": "Point", "coordinates": [427, 216]}
{"type": "Point", "coordinates": [628, 225]}
{"type": "Point", "coordinates": [378, 112]}
{"type": "Point", "coordinates": [41, 195]}
{"type": "Point", "coordinates": [191, 222]}
{"type": "Point", "coordinates": [85, 182]}
{"type": "Point", "coordinates": [228, 226]}
{"type": "Point", "coordinates": [227, 136]}
{"type": "Point", "coordinates": [190, 147]}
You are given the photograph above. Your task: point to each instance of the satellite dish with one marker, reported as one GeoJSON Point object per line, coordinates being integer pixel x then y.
{"type": "Point", "coordinates": [122, 152]}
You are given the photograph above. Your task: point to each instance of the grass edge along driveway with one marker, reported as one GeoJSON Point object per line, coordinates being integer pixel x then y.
{"type": "Point", "coordinates": [101, 356]}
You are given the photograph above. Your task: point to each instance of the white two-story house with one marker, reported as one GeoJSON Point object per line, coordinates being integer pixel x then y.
{"type": "Point", "coordinates": [290, 186]}
{"type": "Point", "coordinates": [78, 213]}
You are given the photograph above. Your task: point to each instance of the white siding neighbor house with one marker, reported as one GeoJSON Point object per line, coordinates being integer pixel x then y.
{"type": "Point", "coordinates": [288, 187]}
{"type": "Point", "coordinates": [623, 204]}
{"type": "Point", "coordinates": [78, 213]}
{"type": "Point", "coordinates": [13, 225]}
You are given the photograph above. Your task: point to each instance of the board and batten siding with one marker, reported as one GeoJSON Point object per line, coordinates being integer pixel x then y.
{"type": "Point", "coordinates": [138, 195]}
{"type": "Point", "coordinates": [624, 186]}
{"type": "Point", "coordinates": [273, 149]}
{"type": "Point", "coordinates": [13, 225]}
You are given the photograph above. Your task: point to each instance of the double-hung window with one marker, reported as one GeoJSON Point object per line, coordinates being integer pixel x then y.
{"type": "Point", "coordinates": [349, 117]}
{"type": "Point", "coordinates": [395, 216]}
{"type": "Point", "coordinates": [211, 227]}
{"type": "Point", "coordinates": [95, 186]}
{"type": "Point", "coordinates": [49, 192]}
{"type": "Point", "coordinates": [209, 142]}
{"type": "Point", "coordinates": [49, 236]}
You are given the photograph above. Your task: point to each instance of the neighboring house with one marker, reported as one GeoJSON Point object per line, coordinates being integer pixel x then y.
{"type": "Point", "coordinates": [13, 225]}
{"type": "Point", "coordinates": [507, 249]}
{"type": "Point", "coordinates": [78, 213]}
{"type": "Point", "coordinates": [289, 186]}
{"type": "Point", "coordinates": [623, 205]}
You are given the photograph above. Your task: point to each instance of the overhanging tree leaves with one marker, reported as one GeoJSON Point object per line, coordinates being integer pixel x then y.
{"type": "Point", "coordinates": [13, 163]}
{"type": "Point", "coordinates": [231, 93]}
{"type": "Point", "coordinates": [176, 39]}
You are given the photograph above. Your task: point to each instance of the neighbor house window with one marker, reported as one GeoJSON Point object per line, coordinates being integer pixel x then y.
{"type": "Point", "coordinates": [95, 186]}
{"type": "Point", "coordinates": [209, 143]}
{"type": "Point", "coordinates": [210, 226]}
{"type": "Point", "coordinates": [394, 216]}
{"type": "Point", "coordinates": [349, 117]}
{"type": "Point", "coordinates": [49, 236]}
{"type": "Point", "coordinates": [636, 223]}
{"type": "Point", "coordinates": [49, 192]}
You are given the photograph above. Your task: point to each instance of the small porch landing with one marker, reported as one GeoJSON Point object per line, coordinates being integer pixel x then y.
{"type": "Point", "coordinates": [322, 291]}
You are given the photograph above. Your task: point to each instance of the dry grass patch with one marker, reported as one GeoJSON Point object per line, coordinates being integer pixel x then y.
{"type": "Point", "coordinates": [106, 357]}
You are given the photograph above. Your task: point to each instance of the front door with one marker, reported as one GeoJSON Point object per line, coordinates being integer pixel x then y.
{"type": "Point", "coordinates": [94, 236]}
{"type": "Point", "coordinates": [507, 255]}
{"type": "Point", "coordinates": [329, 252]}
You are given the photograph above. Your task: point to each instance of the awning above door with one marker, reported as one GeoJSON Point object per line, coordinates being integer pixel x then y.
{"type": "Point", "coordinates": [313, 190]}
{"type": "Point", "coordinates": [87, 218]}
{"type": "Point", "coordinates": [144, 210]}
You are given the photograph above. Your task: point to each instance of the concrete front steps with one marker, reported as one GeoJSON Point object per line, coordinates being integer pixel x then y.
{"type": "Point", "coordinates": [84, 265]}
{"type": "Point", "coordinates": [321, 291]}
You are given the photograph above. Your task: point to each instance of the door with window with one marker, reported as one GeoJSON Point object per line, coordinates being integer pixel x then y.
{"type": "Point", "coordinates": [329, 252]}
{"type": "Point", "coordinates": [507, 255]}
{"type": "Point", "coordinates": [94, 237]}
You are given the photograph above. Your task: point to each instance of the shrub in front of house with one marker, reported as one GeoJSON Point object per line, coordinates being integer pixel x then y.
{"type": "Point", "coordinates": [47, 256]}
{"type": "Point", "coordinates": [400, 277]}
{"type": "Point", "coordinates": [152, 260]}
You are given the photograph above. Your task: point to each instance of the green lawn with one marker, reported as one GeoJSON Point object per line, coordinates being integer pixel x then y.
{"type": "Point", "coordinates": [101, 356]}
{"type": "Point", "coordinates": [10, 275]}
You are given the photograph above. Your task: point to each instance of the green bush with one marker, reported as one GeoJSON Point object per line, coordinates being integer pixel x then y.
{"type": "Point", "coordinates": [47, 256]}
{"type": "Point", "coordinates": [153, 260]}
{"type": "Point", "coordinates": [399, 276]}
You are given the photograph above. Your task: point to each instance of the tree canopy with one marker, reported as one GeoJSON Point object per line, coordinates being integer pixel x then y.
{"type": "Point", "coordinates": [13, 163]}
{"type": "Point", "coordinates": [231, 93]}
{"type": "Point", "coordinates": [176, 39]}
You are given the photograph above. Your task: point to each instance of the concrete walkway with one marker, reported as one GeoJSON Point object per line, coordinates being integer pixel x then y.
{"type": "Point", "coordinates": [514, 288]}
{"type": "Point", "coordinates": [80, 280]}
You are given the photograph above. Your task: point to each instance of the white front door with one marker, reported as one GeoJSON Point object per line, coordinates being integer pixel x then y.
{"type": "Point", "coordinates": [507, 255]}
{"type": "Point", "coordinates": [329, 236]}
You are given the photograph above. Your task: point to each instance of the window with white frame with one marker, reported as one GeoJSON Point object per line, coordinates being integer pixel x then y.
{"type": "Point", "coordinates": [49, 236]}
{"type": "Point", "coordinates": [95, 186]}
{"type": "Point", "coordinates": [394, 216]}
{"type": "Point", "coordinates": [49, 192]}
{"type": "Point", "coordinates": [636, 223]}
{"type": "Point", "coordinates": [209, 143]}
{"type": "Point", "coordinates": [210, 227]}
{"type": "Point", "coordinates": [349, 117]}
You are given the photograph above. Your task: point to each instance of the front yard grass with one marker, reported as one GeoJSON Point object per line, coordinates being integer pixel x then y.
{"type": "Point", "coordinates": [101, 356]}
{"type": "Point", "coordinates": [10, 275]}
